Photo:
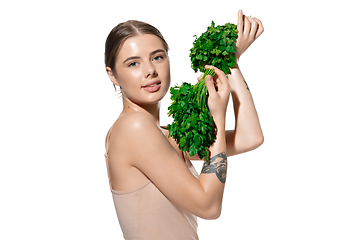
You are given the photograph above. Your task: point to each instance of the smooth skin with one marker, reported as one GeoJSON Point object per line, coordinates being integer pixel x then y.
{"type": "Point", "coordinates": [140, 150]}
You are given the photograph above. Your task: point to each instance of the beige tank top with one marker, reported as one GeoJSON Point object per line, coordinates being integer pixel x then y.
{"type": "Point", "coordinates": [147, 214]}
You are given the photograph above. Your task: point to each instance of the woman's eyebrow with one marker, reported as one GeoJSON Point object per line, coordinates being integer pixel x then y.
{"type": "Point", "coordinates": [137, 57]}
{"type": "Point", "coordinates": [131, 58]}
{"type": "Point", "coordinates": [156, 51]}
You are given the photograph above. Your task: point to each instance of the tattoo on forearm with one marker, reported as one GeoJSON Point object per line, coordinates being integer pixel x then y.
{"type": "Point", "coordinates": [217, 165]}
{"type": "Point", "coordinates": [247, 87]}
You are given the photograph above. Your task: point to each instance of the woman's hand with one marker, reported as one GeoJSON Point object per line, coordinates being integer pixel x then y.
{"type": "Point", "coordinates": [249, 29]}
{"type": "Point", "coordinates": [219, 91]}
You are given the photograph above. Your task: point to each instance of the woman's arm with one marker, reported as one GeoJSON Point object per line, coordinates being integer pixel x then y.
{"type": "Point", "coordinates": [247, 134]}
{"type": "Point", "coordinates": [152, 154]}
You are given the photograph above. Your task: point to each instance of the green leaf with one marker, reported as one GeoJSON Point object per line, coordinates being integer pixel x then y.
{"type": "Point", "coordinates": [182, 142]}
{"type": "Point", "coordinates": [192, 150]}
{"type": "Point", "coordinates": [197, 139]}
{"type": "Point", "coordinates": [199, 57]}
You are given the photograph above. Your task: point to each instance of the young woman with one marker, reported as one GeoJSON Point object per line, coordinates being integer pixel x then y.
{"type": "Point", "coordinates": [157, 192]}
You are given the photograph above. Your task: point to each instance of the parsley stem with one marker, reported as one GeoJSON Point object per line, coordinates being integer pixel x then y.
{"type": "Point", "coordinates": [200, 90]}
{"type": "Point", "coordinates": [208, 71]}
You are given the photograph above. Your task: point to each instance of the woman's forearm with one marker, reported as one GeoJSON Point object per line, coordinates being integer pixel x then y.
{"type": "Point", "coordinates": [247, 123]}
{"type": "Point", "coordinates": [213, 173]}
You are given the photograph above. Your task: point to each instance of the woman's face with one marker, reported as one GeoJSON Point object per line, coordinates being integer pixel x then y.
{"type": "Point", "coordinates": [142, 69]}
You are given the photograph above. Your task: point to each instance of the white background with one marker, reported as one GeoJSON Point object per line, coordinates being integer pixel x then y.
{"type": "Point", "coordinates": [57, 105]}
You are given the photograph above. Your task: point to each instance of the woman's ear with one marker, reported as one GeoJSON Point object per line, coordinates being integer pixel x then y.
{"type": "Point", "coordinates": [111, 76]}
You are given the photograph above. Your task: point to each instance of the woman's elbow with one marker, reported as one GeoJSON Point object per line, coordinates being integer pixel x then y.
{"type": "Point", "coordinates": [259, 140]}
{"type": "Point", "coordinates": [211, 213]}
{"type": "Point", "coordinates": [255, 142]}
{"type": "Point", "coordinates": [216, 215]}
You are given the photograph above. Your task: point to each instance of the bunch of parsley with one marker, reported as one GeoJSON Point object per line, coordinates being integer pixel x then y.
{"type": "Point", "coordinates": [193, 127]}
{"type": "Point", "coordinates": [215, 47]}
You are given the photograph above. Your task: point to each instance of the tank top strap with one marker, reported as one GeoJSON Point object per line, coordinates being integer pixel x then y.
{"type": "Point", "coordinates": [107, 141]}
{"type": "Point", "coordinates": [106, 153]}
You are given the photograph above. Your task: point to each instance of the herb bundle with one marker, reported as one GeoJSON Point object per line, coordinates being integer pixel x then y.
{"type": "Point", "coordinates": [193, 127]}
{"type": "Point", "coordinates": [215, 47]}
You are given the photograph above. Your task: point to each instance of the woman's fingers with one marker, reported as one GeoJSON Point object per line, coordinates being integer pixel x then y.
{"type": "Point", "coordinates": [221, 75]}
{"type": "Point", "coordinates": [210, 85]}
{"type": "Point", "coordinates": [260, 29]}
{"type": "Point", "coordinates": [221, 81]}
{"type": "Point", "coordinates": [219, 98]}
{"type": "Point", "coordinates": [240, 23]}
{"type": "Point", "coordinates": [247, 27]}
{"type": "Point", "coordinates": [254, 27]}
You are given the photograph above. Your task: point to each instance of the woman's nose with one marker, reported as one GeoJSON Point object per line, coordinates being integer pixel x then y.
{"type": "Point", "coordinates": [150, 71]}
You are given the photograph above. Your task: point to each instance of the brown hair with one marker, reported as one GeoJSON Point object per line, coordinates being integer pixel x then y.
{"type": "Point", "coordinates": [123, 31]}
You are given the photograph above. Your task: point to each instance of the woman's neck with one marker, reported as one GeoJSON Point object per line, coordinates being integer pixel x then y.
{"type": "Point", "coordinates": [152, 109]}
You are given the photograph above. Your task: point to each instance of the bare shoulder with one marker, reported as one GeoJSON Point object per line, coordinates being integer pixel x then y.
{"type": "Point", "coordinates": [131, 128]}
{"type": "Point", "coordinates": [134, 121]}
{"type": "Point", "coordinates": [123, 147]}
{"type": "Point", "coordinates": [133, 124]}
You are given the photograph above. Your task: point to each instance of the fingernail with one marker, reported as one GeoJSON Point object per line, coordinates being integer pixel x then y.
{"type": "Point", "coordinates": [208, 78]}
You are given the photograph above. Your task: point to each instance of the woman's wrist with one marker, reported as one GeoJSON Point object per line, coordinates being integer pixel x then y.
{"type": "Point", "coordinates": [219, 121]}
{"type": "Point", "coordinates": [220, 143]}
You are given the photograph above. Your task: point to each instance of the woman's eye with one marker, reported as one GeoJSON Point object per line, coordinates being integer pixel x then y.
{"type": "Point", "coordinates": [157, 58]}
{"type": "Point", "coordinates": [133, 64]}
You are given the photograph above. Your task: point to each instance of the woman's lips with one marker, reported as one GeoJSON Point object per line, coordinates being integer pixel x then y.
{"type": "Point", "coordinates": [152, 87]}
